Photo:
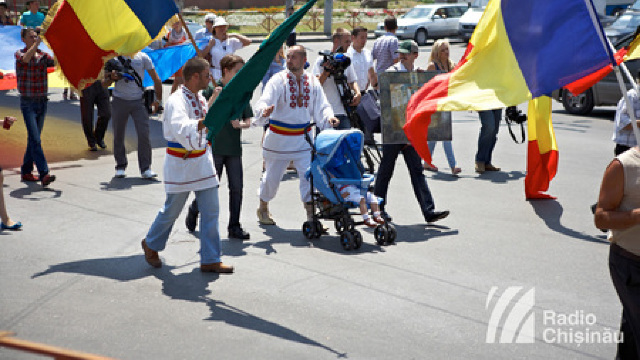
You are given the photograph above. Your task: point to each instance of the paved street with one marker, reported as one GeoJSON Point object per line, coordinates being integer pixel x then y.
{"type": "Point", "coordinates": [75, 277]}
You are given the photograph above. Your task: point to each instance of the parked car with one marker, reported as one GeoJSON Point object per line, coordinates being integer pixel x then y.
{"type": "Point", "coordinates": [428, 22]}
{"type": "Point", "coordinates": [604, 93]}
{"type": "Point", "coordinates": [470, 18]}
{"type": "Point", "coordinates": [625, 25]}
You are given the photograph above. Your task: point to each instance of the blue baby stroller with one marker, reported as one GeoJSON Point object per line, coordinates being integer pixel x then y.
{"type": "Point", "coordinates": [335, 161]}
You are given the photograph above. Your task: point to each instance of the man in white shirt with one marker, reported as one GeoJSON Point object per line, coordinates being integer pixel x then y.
{"type": "Point", "coordinates": [362, 60]}
{"type": "Point", "coordinates": [206, 33]}
{"type": "Point", "coordinates": [289, 101]}
{"type": "Point", "coordinates": [341, 40]}
{"type": "Point", "coordinates": [188, 166]}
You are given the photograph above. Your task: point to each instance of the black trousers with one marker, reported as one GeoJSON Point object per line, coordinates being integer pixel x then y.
{"type": "Point", "coordinates": [233, 165]}
{"type": "Point", "coordinates": [390, 154]}
{"type": "Point", "coordinates": [625, 274]}
{"type": "Point", "coordinates": [98, 96]}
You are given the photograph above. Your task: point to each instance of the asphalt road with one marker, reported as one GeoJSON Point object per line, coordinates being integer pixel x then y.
{"type": "Point", "coordinates": [75, 276]}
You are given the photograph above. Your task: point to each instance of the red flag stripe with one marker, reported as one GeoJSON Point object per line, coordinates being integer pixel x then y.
{"type": "Point", "coordinates": [581, 85]}
{"type": "Point", "coordinates": [76, 52]}
{"type": "Point", "coordinates": [541, 168]}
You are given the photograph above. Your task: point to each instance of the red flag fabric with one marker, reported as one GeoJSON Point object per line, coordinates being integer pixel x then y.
{"type": "Point", "coordinates": [579, 86]}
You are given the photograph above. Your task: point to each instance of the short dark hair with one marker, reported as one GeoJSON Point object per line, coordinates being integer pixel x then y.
{"type": "Point", "coordinates": [339, 33]}
{"type": "Point", "coordinates": [4, 4]}
{"type": "Point", "coordinates": [30, 1]}
{"type": "Point", "coordinates": [193, 66]}
{"type": "Point", "coordinates": [390, 23]}
{"type": "Point", "coordinates": [357, 30]}
{"type": "Point", "coordinates": [25, 31]}
{"type": "Point", "coordinates": [230, 61]}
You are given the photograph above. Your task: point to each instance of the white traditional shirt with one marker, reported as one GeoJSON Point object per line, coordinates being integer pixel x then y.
{"type": "Point", "coordinates": [183, 109]}
{"type": "Point", "coordinates": [295, 106]}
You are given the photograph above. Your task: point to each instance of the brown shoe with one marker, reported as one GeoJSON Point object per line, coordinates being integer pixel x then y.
{"type": "Point", "coordinates": [151, 255]}
{"type": "Point", "coordinates": [489, 167]}
{"type": "Point", "coordinates": [480, 167]}
{"type": "Point", "coordinates": [218, 267]}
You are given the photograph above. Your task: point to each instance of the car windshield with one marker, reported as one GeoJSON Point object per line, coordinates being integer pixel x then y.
{"type": "Point", "coordinates": [627, 21]}
{"type": "Point", "coordinates": [480, 4]}
{"type": "Point", "coordinates": [635, 6]}
{"type": "Point", "coordinates": [418, 13]}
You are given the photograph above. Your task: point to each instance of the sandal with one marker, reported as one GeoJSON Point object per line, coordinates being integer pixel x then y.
{"type": "Point", "coordinates": [430, 167]}
{"type": "Point", "coordinates": [455, 170]}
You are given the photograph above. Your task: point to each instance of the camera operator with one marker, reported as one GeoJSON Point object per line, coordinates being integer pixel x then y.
{"type": "Point", "coordinates": [327, 74]}
{"type": "Point", "coordinates": [128, 93]}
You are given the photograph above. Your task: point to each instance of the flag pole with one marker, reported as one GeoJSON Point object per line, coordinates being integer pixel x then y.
{"type": "Point", "coordinates": [630, 110]}
{"type": "Point", "coordinates": [193, 41]}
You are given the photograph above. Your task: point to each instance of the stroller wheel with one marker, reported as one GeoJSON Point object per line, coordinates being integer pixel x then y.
{"type": "Point", "coordinates": [346, 240]}
{"type": "Point", "coordinates": [319, 228]}
{"type": "Point", "coordinates": [357, 239]}
{"type": "Point", "coordinates": [391, 233]}
{"type": "Point", "coordinates": [308, 230]}
{"type": "Point", "coordinates": [380, 234]}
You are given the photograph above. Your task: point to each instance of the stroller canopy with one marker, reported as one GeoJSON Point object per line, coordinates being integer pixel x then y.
{"type": "Point", "coordinates": [335, 148]}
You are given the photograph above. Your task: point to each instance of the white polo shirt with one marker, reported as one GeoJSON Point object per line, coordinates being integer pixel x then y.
{"type": "Point", "coordinates": [361, 62]}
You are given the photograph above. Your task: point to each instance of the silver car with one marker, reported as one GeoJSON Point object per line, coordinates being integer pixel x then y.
{"type": "Point", "coordinates": [428, 22]}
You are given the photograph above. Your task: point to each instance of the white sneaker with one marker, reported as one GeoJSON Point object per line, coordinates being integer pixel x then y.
{"type": "Point", "coordinates": [149, 174]}
{"type": "Point", "coordinates": [120, 173]}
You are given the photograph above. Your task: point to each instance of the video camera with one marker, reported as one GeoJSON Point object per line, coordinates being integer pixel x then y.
{"type": "Point", "coordinates": [335, 63]}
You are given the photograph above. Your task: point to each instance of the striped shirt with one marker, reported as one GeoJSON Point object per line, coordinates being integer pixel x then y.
{"type": "Point", "coordinates": [384, 51]}
{"type": "Point", "coordinates": [622, 119]}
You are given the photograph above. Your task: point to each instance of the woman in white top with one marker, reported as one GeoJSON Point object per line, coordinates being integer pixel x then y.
{"type": "Point", "coordinates": [176, 36]}
{"type": "Point", "coordinates": [223, 44]}
{"type": "Point", "coordinates": [440, 61]}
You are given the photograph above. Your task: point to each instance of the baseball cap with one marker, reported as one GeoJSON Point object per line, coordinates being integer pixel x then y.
{"type": "Point", "coordinates": [210, 17]}
{"type": "Point", "coordinates": [408, 47]}
{"type": "Point", "coordinates": [220, 21]}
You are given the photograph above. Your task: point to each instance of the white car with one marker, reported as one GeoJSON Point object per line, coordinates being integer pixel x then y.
{"type": "Point", "coordinates": [469, 20]}
{"type": "Point", "coordinates": [428, 22]}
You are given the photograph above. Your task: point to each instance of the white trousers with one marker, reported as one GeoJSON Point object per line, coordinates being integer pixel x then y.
{"type": "Point", "coordinates": [275, 169]}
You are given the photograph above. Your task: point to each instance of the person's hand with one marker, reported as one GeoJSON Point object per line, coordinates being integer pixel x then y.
{"type": "Point", "coordinates": [214, 95]}
{"type": "Point", "coordinates": [267, 112]}
{"type": "Point", "coordinates": [155, 107]}
{"type": "Point", "coordinates": [114, 75]}
{"type": "Point", "coordinates": [334, 121]}
{"type": "Point", "coordinates": [235, 124]}
{"type": "Point", "coordinates": [356, 99]}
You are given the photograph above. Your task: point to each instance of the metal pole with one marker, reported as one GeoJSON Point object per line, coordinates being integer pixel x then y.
{"type": "Point", "coordinates": [184, 26]}
{"type": "Point", "coordinates": [328, 16]}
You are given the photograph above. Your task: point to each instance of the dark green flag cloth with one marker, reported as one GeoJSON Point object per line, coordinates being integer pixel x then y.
{"type": "Point", "coordinates": [237, 94]}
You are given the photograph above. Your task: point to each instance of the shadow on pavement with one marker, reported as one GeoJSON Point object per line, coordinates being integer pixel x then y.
{"type": "Point", "coordinates": [192, 287]}
{"type": "Point", "coordinates": [500, 177]}
{"type": "Point", "coordinates": [35, 192]}
{"type": "Point", "coordinates": [126, 183]}
{"type": "Point", "coordinates": [551, 211]}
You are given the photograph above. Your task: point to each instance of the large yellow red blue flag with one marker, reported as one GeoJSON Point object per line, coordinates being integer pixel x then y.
{"type": "Point", "coordinates": [542, 153]}
{"type": "Point", "coordinates": [520, 50]}
{"type": "Point", "coordinates": [84, 34]}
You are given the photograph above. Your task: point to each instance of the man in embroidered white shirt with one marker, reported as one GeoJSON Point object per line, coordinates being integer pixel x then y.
{"type": "Point", "coordinates": [188, 166]}
{"type": "Point", "coordinates": [289, 101]}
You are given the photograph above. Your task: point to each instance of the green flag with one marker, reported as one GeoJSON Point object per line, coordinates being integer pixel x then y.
{"type": "Point", "coordinates": [237, 93]}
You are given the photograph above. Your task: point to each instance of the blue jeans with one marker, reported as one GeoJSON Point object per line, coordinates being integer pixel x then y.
{"type": "Point", "coordinates": [209, 235]}
{"type": "Point", "coordinates": [34, 111]}
{"type": "Point", "coordinates": [448, 150]}
{"type": "Point", "coordinates": [421, 191]}
{"type": "Point", "coordinates": [490, 120]}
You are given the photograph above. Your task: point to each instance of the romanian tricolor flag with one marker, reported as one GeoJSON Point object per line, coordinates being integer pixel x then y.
{"type": "Point", "coordinates": [542, 154]}
{"type": "Point", "coordinates": [520, 50]}
{"type": "Point", "coordinates": [84, 34]}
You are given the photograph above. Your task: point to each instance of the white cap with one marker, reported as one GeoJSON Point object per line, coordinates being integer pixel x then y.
{"type": "Point", "coordinates": [220, 21]}
{"type": "Point", "coordinates": [210, 17]}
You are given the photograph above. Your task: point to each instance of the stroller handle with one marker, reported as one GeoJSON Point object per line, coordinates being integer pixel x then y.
{"type": "Point", "coordinates": [307, 129]}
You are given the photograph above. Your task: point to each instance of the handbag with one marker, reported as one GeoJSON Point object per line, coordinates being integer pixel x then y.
{"type": "Point", "coordinates": [369, 111]}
